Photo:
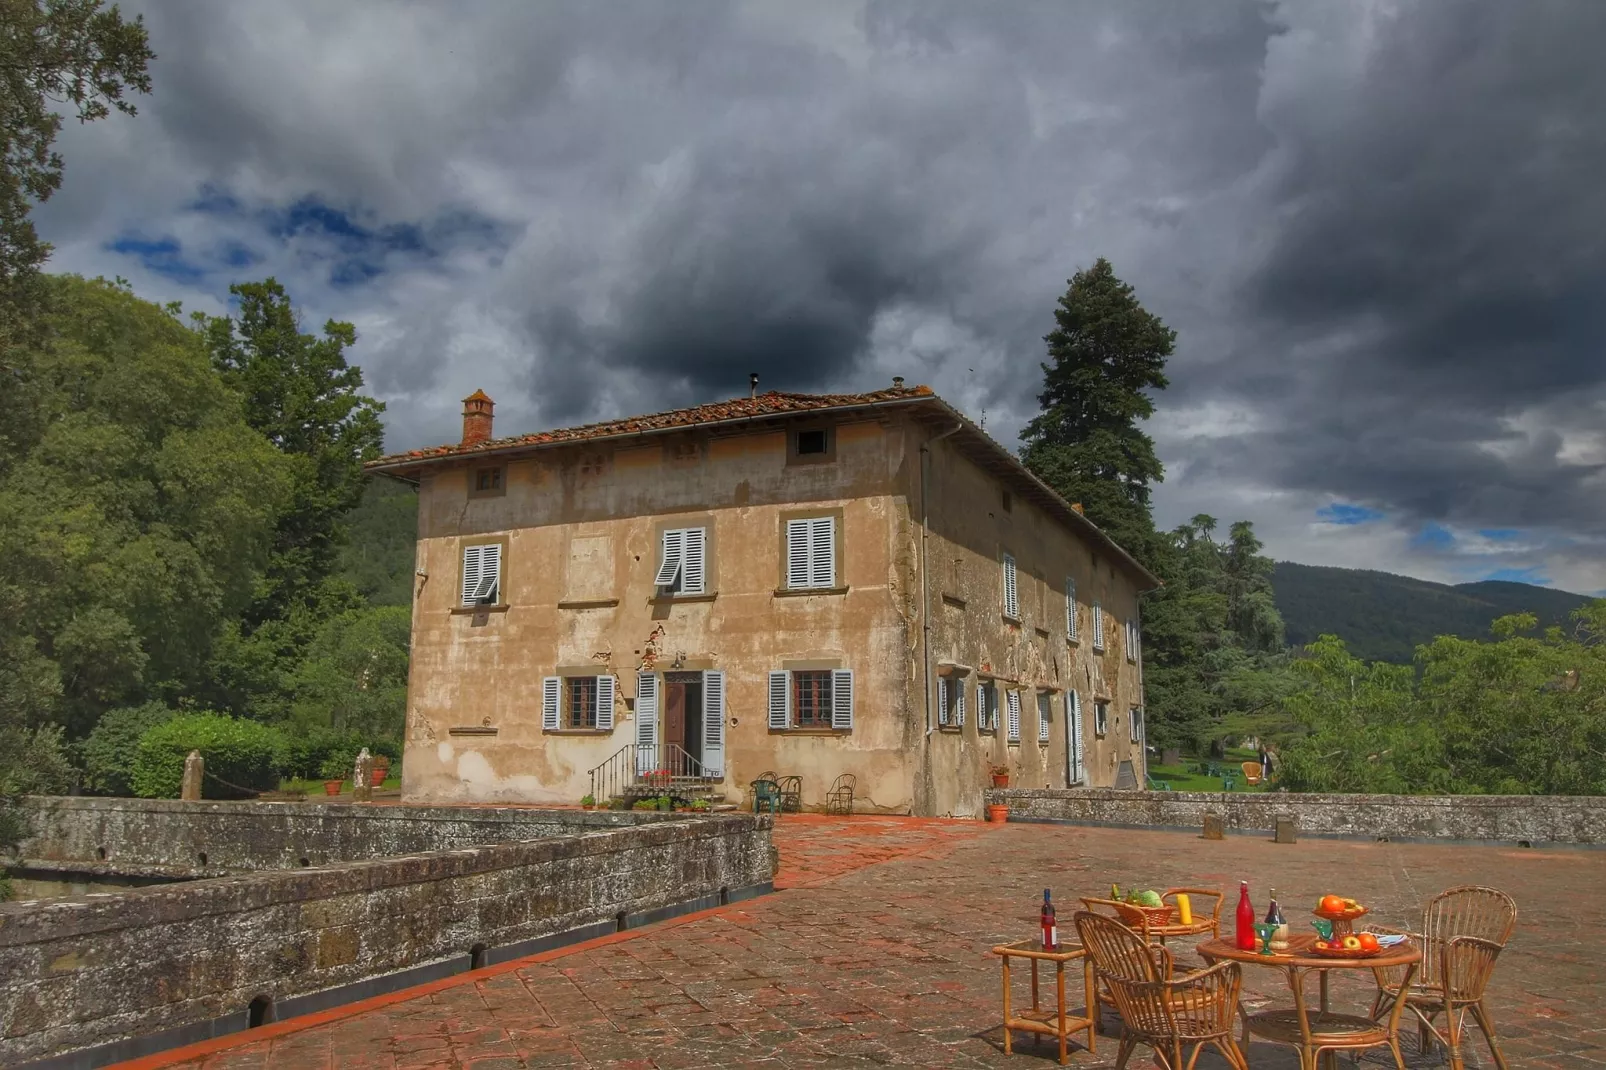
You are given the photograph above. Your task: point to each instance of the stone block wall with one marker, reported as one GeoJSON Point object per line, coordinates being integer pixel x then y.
{"type": "Point", "coordinates": [149, 968]}
{"type": "Point", "coordinates": [129, 834]}
{"type": "Point", "coordinates": [1531, 819]}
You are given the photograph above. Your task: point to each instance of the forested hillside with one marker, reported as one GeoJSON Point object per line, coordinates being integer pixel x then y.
{"type": "Point", "coordinates": [1384, 617]}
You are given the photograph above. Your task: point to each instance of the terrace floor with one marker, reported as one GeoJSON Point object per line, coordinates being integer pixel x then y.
{"type": "Point", "coordinates": [875, 952]}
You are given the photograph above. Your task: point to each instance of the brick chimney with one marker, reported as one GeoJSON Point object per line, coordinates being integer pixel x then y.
{"type": "Point", "coordinates": [477, 418]}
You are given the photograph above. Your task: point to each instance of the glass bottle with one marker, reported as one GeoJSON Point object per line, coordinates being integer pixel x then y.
{"type": "Point", "coordinates": [1274, 916]}
{"type": "Point", "coordinates": [1244, 930]}
{"type": "Point", "coordinates": [1051, 935]}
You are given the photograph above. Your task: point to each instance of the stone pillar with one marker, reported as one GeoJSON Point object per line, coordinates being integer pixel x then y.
{"type": "Point", "coordinates": [362, 783]}
{"type": "Point", "coordinates": [1214, 827]}
{"type": "Point", "coordinates": [194, 769]}
{"type": "Point", "coordinates": [1287, 828]}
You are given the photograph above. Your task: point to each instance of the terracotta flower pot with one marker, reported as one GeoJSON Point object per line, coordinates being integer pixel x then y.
{"type": "Point", "coordinates": [1000, 780]}
{"type": "Point", "coordinates": [377, 777]}
{"type": "Point", "coordinates": [332, 787]}
{"type": "Point", "coordinates": [999, 814]}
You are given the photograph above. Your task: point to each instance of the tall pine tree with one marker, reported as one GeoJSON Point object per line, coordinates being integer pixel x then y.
{"type": "Point", "coordinates": [1105, 353]}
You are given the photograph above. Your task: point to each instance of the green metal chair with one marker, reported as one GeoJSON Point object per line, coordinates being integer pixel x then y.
{"type": "Point", "coordinates": [766, 793]}
{"type": "Point", "coordinates": [1157, 785]}
{"type": "Point", "coordinates": [1229, 783]}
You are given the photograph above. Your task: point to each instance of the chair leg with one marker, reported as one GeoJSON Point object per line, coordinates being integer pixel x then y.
{"type": "Point", "coordinates": [1485, 1023]}
{"type": "Point", "coordinates": [1399, 1059]}
{"type": "Point", "coordinates": [1454, 1021]}
{"type": "Point", "coordinates": [1231, 1052]}
{"type": "Point", "coordinates": [1127, 1043]}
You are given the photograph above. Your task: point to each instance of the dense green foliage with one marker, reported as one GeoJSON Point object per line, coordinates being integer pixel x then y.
{"type": "Point", "coordinates": [242, 756]}
{"type": "Point", "coordinates": [1384, 617]}
{"type": "Point", "coordinates": [1520, 714]}
{"type": "Point", "coordinates": [379, 552]}
{"type": "Point", "coordinates": [107, 754]}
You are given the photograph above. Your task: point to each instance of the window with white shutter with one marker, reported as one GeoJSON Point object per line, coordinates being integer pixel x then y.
{"type": "Point", "coordinates": [1044, 709]}
{"type": "Point", "coordinates": [1098, 627]}
{"type": "Point", "coordinates": [482, 574]}
{"type": "Point", "coordinates": [780, 700]}
{"type": "Point", "coordinates": [982, 722]}
{"type": "Point", "coordinates": [683, 564]}
{"type": "Point", "coordinates": [1012, 701]}
{"type": "Point", "coordinates": [646, 722]}
{"type": "Point", "coordinates": [842, 700]}
{"type": "Point", "coordinates": [605, 689]}
{"type": "Point", "coordinates": [1101, 717]}
{"type": "Point", "coordinates": [1073, 738]}
{"type": "Point", "coordinates": [1137, 724]}
{"type": "Point", "coordinates": [1070, 608]}
{"type": "Point", "coordinates": [550, 690]}
{"type": "Point", "coordinates": [959, 703]}
{"type": "Point", "coordinates": [942, 701]}
{"type": "Point", "coordinates": [1132, 640]}
{"type": "Point", "coordinates": [1011, 591]}
{"type": "Point", "coordinates": [713, 723]}
{"type": "Point", "coordinates": [811, 553]}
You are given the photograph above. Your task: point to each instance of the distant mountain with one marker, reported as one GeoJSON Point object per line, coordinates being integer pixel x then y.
{"type": "Point", "coordinates": [1384, 617]}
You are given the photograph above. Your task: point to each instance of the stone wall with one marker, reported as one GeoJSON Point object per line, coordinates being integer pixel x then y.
{"type": "Point", "coordinates": [135, 835]}
{"type": "Point", "coordinates": [1527, 819]}
{"type": "Point", "coordinates": [116, 976]}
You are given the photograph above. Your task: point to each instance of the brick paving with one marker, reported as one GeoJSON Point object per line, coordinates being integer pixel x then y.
{"type": "Point", "coordinates": [874, 952]}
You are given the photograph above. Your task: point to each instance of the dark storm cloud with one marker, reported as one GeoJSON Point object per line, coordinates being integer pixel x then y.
{"type": "Point", "coordinates": [1437, 233]}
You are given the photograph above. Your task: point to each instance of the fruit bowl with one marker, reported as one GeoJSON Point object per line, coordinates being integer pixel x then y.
{"type": "Point", "coordinates": [1331, 952]}
{"type": "Point", "coordinates": [1133, 914]}
{"type": "Point", "coordinates": [1340, 915]}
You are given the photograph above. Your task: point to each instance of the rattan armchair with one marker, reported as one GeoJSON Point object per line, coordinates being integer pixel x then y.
{"type": "Point", "coordinates": [839, 800]}
{"type": "Point", "coordinates": [1463, 932]}
{"type": "Point", "coordinates": [791, 789]}
{"type": "Point", "coordinates": [1171, 1014]}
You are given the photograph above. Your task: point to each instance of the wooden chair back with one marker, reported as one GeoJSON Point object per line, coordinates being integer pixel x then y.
{"type": "Point", "coordinates": [1484, 913]}
{"type": "Point", "coordinates": [1189, 1009]}
{"type": "Point", "coordinates": [1251, 772]}
{"type": "Point", "coordinates": [1118, 952]}
{"type": "Point", "coordinates": [1465, 965]}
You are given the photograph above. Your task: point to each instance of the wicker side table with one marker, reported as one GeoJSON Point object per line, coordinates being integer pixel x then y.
{"type": "Point", "coordinates": [1043, 1021]}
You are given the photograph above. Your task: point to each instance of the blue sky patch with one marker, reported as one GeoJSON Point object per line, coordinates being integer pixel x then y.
{"type": "Point", "coordinates": [1500, 534]}
{"type": "Point", "coordinates": [1344, 513]}
{"type": "Point", "coordinates": [1534, 575]}
{"type": "Point", "coordinates": [159, 256]}
{"type": "Point", "coordinates": [1433, 537]}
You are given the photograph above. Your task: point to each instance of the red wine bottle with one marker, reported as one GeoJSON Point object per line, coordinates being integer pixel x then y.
{"type": "Point", "coordinates": [1051, 933]}
{"type": "Point", "coordinates": [1244, 936]}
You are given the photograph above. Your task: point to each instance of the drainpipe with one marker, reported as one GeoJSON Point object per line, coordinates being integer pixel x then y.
{"type": "Point", "coordinates": [925, 584]}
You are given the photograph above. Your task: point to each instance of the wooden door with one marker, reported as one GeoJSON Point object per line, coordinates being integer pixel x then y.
{"type": "Point", "coordinates": [675, 714]}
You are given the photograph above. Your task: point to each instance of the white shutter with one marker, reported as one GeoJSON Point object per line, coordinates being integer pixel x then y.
{"type": "Point", "coordinates": [691, 578]}
{"type": "Point", "coordinates": [981, 706]}
{"type": "Point", "coordinates": [472, 556]}
{"type": "Point", "coordinates": [959, 703]}
{"type": "Point", "coordinates": [714, 723]}
{"type": "Point", "coordinates": [1045, 704]}
{"type": "Point", "coordinates": [780, 700]}
{"type": "Point", "coordinates": [1013, 700]}
{"type": "Point", "coordinates": [1073, 726]}
{"type": "Point", "coordinates": [797, 553]}
{"type": "Point", "coordinates": [1011, 595]}
{"type": "Point", "coordinates": [1098, 626]}
{"type": "Point", "coordinates": [822, 552]}
{"type": "Point", "coordinates": [1136, 717]}
{"type": "Point", "coordinates": [605, 689]}
{"type": "Point", "coordinates": [842, 700]}
{"type": "Point", "coordinates": [549, 703]}
{"type": "Point", "coordinates": [646, 721]}
{"type": "Point", "coordinates": [942, 700]}
{"type": "Point", "coordinates": [673, 555]}
{"type": "Point", "coordinates": [491, 569]}
{"type": "Point", "coordinates": [1070, 608]}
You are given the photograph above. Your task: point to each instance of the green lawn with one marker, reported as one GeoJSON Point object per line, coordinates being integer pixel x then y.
{"type": "Point", "coordinates": [315, 787]}
{"type": "Point", "coordinates": [1183, 778]}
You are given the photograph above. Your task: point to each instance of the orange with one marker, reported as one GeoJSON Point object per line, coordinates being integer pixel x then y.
{"type": "Point", "coordinates": [1333, 904]}
{"type": "Point", "coordinates": [1368, 941]}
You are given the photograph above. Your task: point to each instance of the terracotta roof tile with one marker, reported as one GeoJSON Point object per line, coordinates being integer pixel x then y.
{"type": "Point", "coordinates": [773, 403]}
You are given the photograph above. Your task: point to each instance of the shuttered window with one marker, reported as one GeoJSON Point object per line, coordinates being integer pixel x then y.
{"type": "Point", "coordinates": [1073, 742]}
{"type": "Point", "coordinates": [646, 721]}
{"type": "Point", "coordinates": [959, 703]}
{"type": "Point", "coordinates": [682, 565]}
{"type": "Point", "coordinates": [942, 701]}
{"type": "Point", "coordinates": [579, 703]}
{"type": "Point", "coordinates": [1044, 709]}
{"type": "Point", "coordinates": [1070, 608]}
{"type": "Point", "coordinates": [1012, 700]}
{"type": "Point", "coordinates": [950, 702]}
{"type": "Point", "coordinates": [1011, 590]}
{"type": "Point", "coordinates": [811, 553]}
{"type": "Point", "coordinates": [811, 698]}
{"type": "Point", "coordinates": [482, 574]}
{"type": "Point", "coordinates": [987, 707]}
{"type": "Point", "coordinates": [551, 692]}
{"type": "Point", "coordinates": [714, 723]}
{"type": "Point", "coordinates": [1101, 717]}
{"type": "Point", "coordinates": [1132, 640]}
{"type": "Point", "coordinates": [1137, 724]}
{"type": "Point", "coordinates": [1098, 627]}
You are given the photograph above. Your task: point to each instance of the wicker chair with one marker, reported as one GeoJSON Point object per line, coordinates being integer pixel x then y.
{"type": "Point", "coordinates": [791, 789]}
{"type": "Point", "coordinates": [1463, 932]}
{"type": "Point", "coordinates": [1170, 1014]}
{"type": "Point", "coordinates": [1251, 773]}
{"type": "Point", "coordinates": [1204, 922]}
{"type": "Point", "coordinates": [839, 800]}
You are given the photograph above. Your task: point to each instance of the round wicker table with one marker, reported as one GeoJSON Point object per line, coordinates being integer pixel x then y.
{"type": "Point", "coordinates": [1320, 1032]}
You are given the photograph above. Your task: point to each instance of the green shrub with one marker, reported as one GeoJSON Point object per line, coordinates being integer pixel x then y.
{"type": "Point", "coordinates": [108, 753]}
{"type": "Point", "coordinates": [309, 752]}
{"type": "Point", "coordinates": [244, 753]}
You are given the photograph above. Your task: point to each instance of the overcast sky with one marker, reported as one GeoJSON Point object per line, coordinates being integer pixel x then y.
{"type": "Point", "coordinates": [1379, 228]}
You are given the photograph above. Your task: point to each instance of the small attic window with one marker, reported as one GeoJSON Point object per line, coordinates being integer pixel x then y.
{"type": "Point", "coordinates": [811, 442]}
{"type": "Point", "coordinates": [488, 482]}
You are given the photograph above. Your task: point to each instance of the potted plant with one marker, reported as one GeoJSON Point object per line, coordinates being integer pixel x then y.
{"type": "Point", "coordinates": [333, 771]}
{"type": "Point", "coordinates": [665, 803]}
{"type": "Point", "coordinates": [699, 806]}
{"type": "Point", "coordinates": [644, 804]}
{"type": "Point", "coordinates": [588, 802]}
{"type": "Point", "coordinates": [381, 770]}
{"type": "Point", "coordinates": [1000, 774]}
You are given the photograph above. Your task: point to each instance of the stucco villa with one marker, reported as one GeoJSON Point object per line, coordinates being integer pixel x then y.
{"type": "Point", "coordinates": [809, 584]}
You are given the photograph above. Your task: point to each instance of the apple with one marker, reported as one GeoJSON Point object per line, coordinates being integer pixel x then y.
{"type": "Point", "coordinates": [1352, 942]}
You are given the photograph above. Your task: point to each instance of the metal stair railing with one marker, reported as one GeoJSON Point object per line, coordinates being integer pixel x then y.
{"type": "Point", "coordinates": [637, 769]}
